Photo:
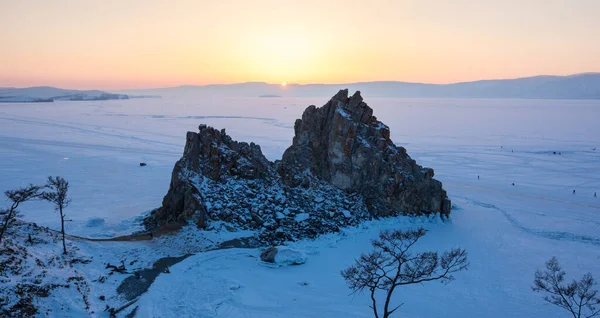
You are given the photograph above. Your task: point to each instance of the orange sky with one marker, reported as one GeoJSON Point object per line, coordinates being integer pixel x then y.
{"type": "Point", "coordinates": [140, 44]}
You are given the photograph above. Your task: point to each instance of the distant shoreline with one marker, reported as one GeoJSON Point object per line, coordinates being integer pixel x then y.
{"type": "Point", "coordinates": [578, 86]}
{"type": "Point", "coordinates": [583, 86]}
{"type": "Point", "coordinates": [2, 100]}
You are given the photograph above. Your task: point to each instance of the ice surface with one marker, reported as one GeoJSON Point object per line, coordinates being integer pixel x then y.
{"type": "Point", "coordinates": [94, 222]}
{"type": "Point", "coordinates": [509, 231]}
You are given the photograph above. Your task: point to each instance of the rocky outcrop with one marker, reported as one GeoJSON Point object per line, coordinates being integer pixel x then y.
{"type": "Point", "coordinates": [211, 154]}
{"type": "Point", "coordinates": [344, 144]}
{"type": "Point", "coordinates": [342, 168]}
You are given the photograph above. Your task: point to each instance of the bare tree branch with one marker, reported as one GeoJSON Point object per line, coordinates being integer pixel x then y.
{"type": "Point", "coordinates": [391, 264]}
{"type": "Point", "coordinates": [578, 297]}
{"type": "Point", "coordinates": [59, 188]}
{"type": "Point", "coordinates": [17, 197]}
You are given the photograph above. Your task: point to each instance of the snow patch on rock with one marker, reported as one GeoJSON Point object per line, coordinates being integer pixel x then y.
{"type": "Point", "coordinates": [301, 217]}
{"type": "Point", "coordinates": [287, 256]}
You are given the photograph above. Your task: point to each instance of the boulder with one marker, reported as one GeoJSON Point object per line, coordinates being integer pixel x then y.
{"type": "Point", "coordinates": [283, 256]}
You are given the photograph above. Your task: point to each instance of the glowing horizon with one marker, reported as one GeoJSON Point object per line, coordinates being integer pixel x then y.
{"type": "Point", "coordinates": [146, 44]}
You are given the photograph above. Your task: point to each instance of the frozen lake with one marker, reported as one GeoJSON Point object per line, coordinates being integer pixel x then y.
{"type": "Point", "coordinates": [508, 230]}
{"type": "Point", "coordinates": [97, 146]}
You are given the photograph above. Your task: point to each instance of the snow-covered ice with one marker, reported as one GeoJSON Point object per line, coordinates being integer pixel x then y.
{"type": "Point", "coordinates": [508, 230]}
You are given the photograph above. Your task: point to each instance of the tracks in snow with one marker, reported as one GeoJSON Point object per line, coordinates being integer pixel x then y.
{"type": "Point", "coordinates": [79, 145]}
{"type": "Point", "coordinates": [94, 129]}
{"type": "Point", "coordinates": [554, 235]}
{"type": "Point", "coordinates": [525, 195]}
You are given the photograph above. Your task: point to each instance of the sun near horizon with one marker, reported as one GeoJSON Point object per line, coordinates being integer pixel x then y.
{"type": "Point", "coordinates": [138, 44]}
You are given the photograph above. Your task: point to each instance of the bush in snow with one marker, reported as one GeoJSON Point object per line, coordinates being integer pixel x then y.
{"type": "Point", "coordinates": [58, 195]}
{"type": "Point", "coordinates": [391, 265]}
{"type": "Point", "coordinates": [579, 297]}
{"type": "Point", "coordinates": [17, 197]}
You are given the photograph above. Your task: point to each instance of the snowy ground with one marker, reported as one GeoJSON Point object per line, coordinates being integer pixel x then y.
{"type": "Point", "coordinates": [509, 231]}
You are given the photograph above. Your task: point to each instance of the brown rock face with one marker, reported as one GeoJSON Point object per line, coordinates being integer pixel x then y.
{"type": "Point", "coordinates": [212, 154]}
{"type": "Point", "coordinates": [344, 144]}
{"type": "Point", "coordinates": [341, 169]}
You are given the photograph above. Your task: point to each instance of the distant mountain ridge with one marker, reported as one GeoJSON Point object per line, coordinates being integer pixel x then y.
{"type": "Point", "coordinates": [578, 86]}
{"type": "Point", "coordinates": [50, 94]}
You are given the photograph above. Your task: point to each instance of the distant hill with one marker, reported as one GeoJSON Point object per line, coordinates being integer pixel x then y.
{"type": "Point", "coordinates": [50, 94]}
{"type": "Point", "coordinates": [579, 86]}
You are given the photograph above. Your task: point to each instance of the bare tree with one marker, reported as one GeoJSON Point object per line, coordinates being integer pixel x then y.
{"type": "Point", "coordinates": [17, 197]}
{"type": "Point", "coordinates": [391, 265]}
{"type": "Point", "coordinates": [58, 195]}
{"type": "Point", "coordinates": [579, 297]}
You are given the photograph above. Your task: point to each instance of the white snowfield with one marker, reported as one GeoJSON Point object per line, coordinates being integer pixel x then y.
{"type": "Point", "coordinates": [508, 230]}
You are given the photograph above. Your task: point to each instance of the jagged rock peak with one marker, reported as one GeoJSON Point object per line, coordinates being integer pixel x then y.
{"type": "Point", "coordinates": [354, 106]}
{"type": "Point", "coordinates": [214, 154]}
{"type": "Point", "coordinates": [344, 144]}
{"type": "Point", "coordinates": [208, 153]}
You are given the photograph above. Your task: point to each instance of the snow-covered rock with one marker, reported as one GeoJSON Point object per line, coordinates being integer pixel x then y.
{"type": "Point", "coordinates": [340, 160]}
{"type": "Point", "coordinates": [346, 213]}
{"type": "Point", "coordinates": [288, 256]}
{"type": "Point", "coordinates": [283, 256]}
{"type": "Point", "coordinates": [221, 180]}
{"type": "Point", "coordinates": [279, 216]}
{"type": "Point", "coordinates": [301, 217]}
